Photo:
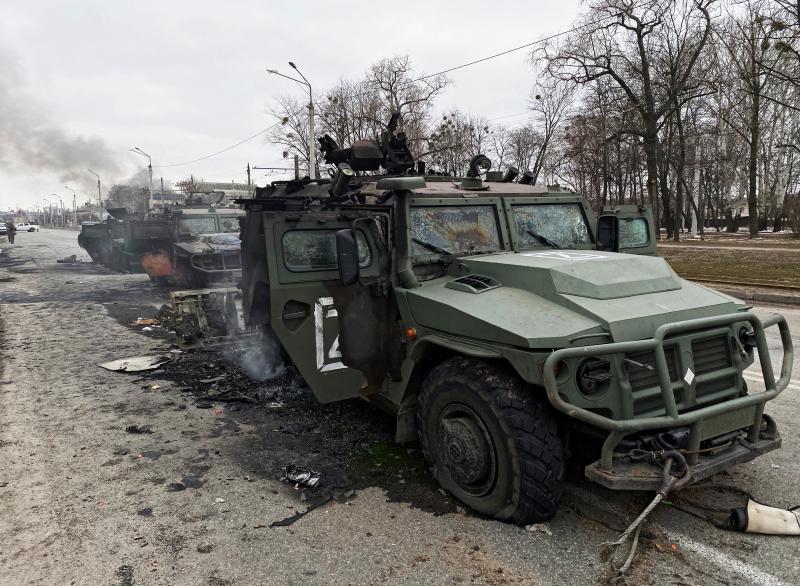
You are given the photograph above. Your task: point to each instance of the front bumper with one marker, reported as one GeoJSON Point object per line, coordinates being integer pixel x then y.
{"type": "Point", "coordinates": [217, 266]}
{"type": "Point", "coordinates": [705, 422]}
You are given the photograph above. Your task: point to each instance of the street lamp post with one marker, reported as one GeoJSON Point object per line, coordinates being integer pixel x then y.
{"type": "Point", "coordinates": [74, 206]}
{"type": "Point", "coordinates": [139, 151]}
{"type": "Point", "coordinates": [312, 154]}
{"type": "Point", "coordinates": [59, 210]}
{"type": "Point", "coordinates": [99, 197]}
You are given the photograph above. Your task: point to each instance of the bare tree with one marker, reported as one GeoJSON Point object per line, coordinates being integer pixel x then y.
{"type": "Point", "coordinates": [549, 104]}
{"type": "Point", "coordinates": [619, 41]}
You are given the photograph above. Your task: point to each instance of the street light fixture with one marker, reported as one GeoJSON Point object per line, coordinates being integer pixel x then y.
{"type": "Point", "coordinates": [74, 206]}
{"type": "Point", "coordinates": [312, 155]}
{"type": "Point", "coordinates": [60, 214]}
{"type": "Point", "coordinates": [139, 151]}
{"type": "Point", "coordinates": [99, 197]}
{"type": "Point", "coordinates": [50, 209]}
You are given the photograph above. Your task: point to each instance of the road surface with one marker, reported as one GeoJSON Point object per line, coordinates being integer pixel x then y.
{"type": "Point", "coordinates": [82, 501]}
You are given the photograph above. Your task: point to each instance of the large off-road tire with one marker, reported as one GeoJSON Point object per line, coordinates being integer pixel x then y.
{"type": "Point", "coordinates": [491, 440]}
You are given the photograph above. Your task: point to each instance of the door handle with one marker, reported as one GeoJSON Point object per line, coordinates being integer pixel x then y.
{"type": "Point", "coordinates": [295, 314]}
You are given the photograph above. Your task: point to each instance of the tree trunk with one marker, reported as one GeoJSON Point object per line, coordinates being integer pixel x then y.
{"type": "Point", "coordinates": [752, 192]}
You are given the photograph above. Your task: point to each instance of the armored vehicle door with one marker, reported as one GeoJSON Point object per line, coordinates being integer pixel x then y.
{"type": "Point", "coordinates": [304, 281]}
{"type": "Point", "coordinates": [627, 228]}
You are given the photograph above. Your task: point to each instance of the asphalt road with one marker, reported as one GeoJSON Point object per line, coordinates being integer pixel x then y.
{"type": "Point", "coordinates": [84, 502]}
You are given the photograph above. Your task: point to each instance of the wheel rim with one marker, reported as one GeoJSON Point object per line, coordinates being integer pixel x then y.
{"type": "Point", "coordinates": [466, 449]}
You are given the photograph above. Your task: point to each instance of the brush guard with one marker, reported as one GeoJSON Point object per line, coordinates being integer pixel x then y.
{"type": "Point", "coordinates": [759, 434]}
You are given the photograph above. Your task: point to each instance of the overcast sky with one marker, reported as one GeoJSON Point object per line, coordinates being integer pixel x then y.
{"type": "Point", "coordinates": [83, 81]}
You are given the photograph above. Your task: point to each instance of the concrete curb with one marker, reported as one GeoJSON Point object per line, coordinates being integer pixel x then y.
{"type": "Point", "coordinates": [752, 295]}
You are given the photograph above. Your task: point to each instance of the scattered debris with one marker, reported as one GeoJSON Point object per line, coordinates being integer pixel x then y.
{"type": "Point", "coordinates": [176, 487]}
{"type": "Point", "coordinates": [302, 476]}
{"type": "Point", "coordinates": [219, 500]}
{"type": "Point", "coordinates": [298, 515]}
{"type": "Point", "coordinates": [144, 321]}
{"type": "Point", "coordinates": [540, 527]}
{"type": "Point", "coordinates": [210, 376]}
{"type": "Point", "coordinates": [756, 517]}
{"type": "Point", "coordinates": [145, 512]}
{"type": "Point", "coordinates": [134, 364]}
{"type": "Point", "coordinates": [212, 380]}
{"type": "Point", "coordinates": [69, 260]}
{"type": "Point", "coordinates": [139, 429]}
{"type": "Point", "coordinates": [205, 547]}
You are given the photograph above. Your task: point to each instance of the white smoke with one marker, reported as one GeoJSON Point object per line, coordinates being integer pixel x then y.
{"type": "Point", "coordinates": [260, 357]}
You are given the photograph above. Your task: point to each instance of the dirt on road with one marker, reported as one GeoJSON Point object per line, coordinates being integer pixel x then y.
{"type": "Point", "coordinates": [174, 476]}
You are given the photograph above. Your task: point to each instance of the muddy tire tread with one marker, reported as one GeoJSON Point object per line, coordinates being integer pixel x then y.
{"type": "Point", "coordinates": [526, 418]}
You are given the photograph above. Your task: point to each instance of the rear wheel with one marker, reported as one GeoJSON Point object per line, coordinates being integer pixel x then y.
{"type": "Point", "coordinates": [490, 441]}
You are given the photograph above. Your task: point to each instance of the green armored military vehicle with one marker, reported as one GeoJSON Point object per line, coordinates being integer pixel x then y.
{"type": "Point", "coordinates": [193, 247]}
{"type": "Point", "coordinates": [498, 321]}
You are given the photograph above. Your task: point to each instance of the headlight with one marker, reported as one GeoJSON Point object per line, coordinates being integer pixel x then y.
{"type": "Point", "coordinates": [592, 375]}
{"type": "Point", "coordinates": [747, 337]}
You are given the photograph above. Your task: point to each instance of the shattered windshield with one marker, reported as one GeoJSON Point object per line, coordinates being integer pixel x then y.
{"type": "Point", "coordinates": [559, 224]}
{"type": "Point", "coordinates": [229, 223]}
{"type": "Point", "coordinates": [198, 225]}
{"type": "Point", "coordinates": [454, 229]}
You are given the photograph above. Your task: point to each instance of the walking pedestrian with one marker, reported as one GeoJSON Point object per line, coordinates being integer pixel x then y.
{"type": "Point", "coordinates": [11, 232]}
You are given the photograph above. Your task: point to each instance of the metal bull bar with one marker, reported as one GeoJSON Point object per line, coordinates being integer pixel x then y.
{"type": "Point", "coordinates": [620, 428]}
{"type": "Point", "coordinates": [223, 262]}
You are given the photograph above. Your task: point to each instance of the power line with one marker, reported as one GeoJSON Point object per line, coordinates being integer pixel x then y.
{"type": "Point", "coordinates": [424, 77]}
{"type": "Point", "coordinates": [519, 48]}
{"type": "Point", "coordinates": [233, 146]}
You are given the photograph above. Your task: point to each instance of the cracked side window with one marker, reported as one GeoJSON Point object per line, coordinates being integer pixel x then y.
{"type": "Point", "coordinates": [315, 250]}
{"type": "Point", "coordinates": [633, 233]}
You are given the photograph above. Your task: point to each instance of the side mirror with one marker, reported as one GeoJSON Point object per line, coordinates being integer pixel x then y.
{"type": "Point", "coordinates": [347, 256]}
{"type": "Point", "coordinates": [608, 233]}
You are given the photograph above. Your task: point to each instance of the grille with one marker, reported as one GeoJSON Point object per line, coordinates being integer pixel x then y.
{"type": "Point", "coordinates": [233, 261]}
{"type": "Point", "coordinates": [711, 354]}
{"type": "Point", "coordinates": [642, 378]}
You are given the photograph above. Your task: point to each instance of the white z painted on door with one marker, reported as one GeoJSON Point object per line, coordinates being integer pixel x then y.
{"type": "Point", "coordinates": [324, 312]}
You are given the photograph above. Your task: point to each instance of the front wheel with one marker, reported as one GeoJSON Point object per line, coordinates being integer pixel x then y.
{"type": "Point", "coordinates": [491, 441]}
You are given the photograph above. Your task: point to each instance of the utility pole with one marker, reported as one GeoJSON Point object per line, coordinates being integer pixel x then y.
{"type": "Point", "coordinates": [312, 150]}
{"type": "Point", "coordinates": [248, 177]}
{"type": "Point", "coordinates": [99, 197]}
{"type": "Point", "coordinates": [147, 200]}
{"type": "Point", "coordinates": [162, 192]}
{"type": "Point", "coordinates": [74, 207]}
{"type": "Point", "coordinates": [297, 167]}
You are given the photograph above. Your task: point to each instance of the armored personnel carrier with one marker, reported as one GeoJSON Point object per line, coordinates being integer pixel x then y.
{"type": "Point", "coordinates": [498, 320]}
{"type": "Point", "coordinates": [96, 238]}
